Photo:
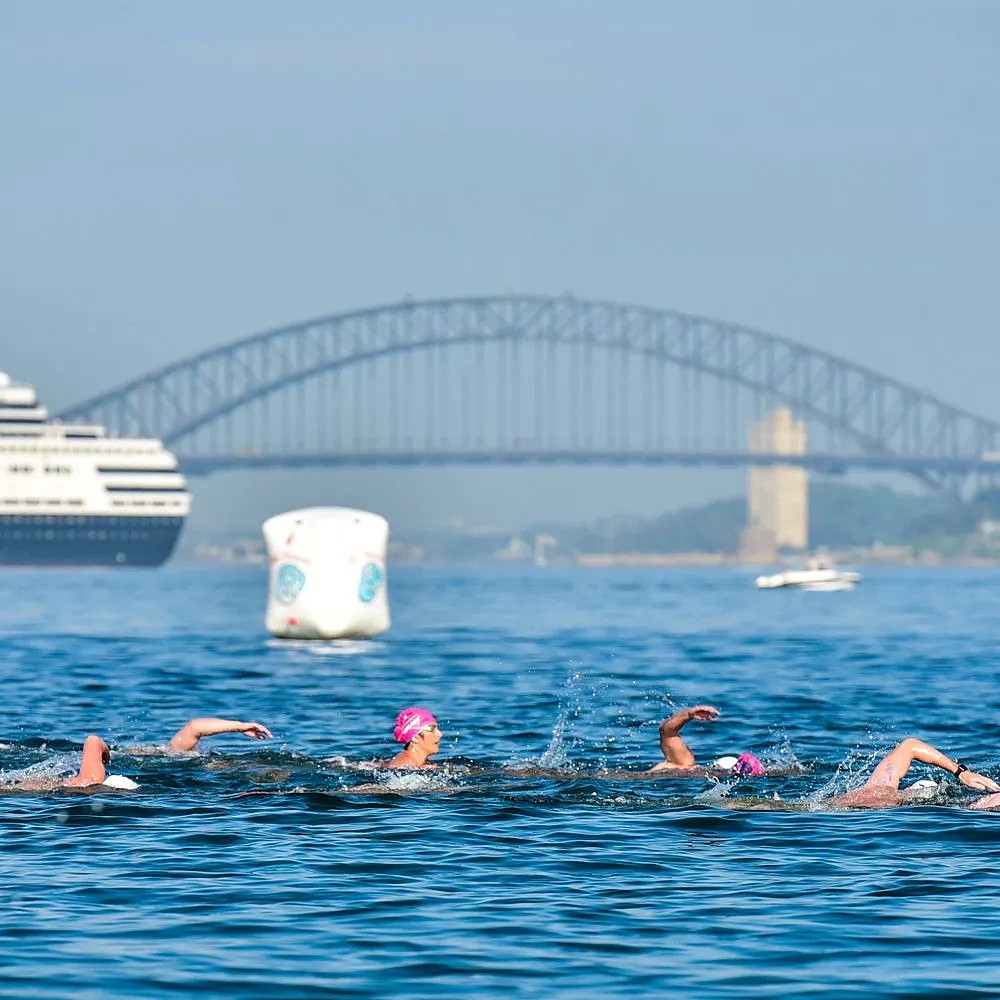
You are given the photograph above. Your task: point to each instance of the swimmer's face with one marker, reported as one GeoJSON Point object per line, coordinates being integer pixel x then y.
{"type": "Point", "coordinates": [430, 737]}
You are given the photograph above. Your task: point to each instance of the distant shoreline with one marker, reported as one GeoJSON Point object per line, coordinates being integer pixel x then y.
{"type": "Point", "coordinates": [602, 560]}
{"type": "Point", "coordinates": [697, 559]}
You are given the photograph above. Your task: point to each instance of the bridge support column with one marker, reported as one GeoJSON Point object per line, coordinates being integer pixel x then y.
{"type": "Point", "coordinates": [778, 495]}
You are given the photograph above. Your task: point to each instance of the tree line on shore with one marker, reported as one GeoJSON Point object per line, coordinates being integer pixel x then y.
{"type": "Point", "coordinates": [841, 517]}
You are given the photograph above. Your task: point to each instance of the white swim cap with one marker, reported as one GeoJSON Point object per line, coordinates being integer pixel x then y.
{"type": "Point", "coordinates": [725, 763]}
{"type": "Point", "coordinates": [121, 782]}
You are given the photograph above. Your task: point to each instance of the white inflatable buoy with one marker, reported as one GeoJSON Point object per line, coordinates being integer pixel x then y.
{"type": "Point", "coordinates": [327, 577]}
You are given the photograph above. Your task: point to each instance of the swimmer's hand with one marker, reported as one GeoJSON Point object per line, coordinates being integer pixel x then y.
{"type": "Point", "coordinates": [258, 732]}
{"type": "Point", "coordinates": [978, 781]}
{"type": "Point", "coordinates": [704, 713]}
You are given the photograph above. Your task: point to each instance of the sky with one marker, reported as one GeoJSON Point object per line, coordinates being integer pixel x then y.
{"type": "Point", "coordinates": [179, 176]}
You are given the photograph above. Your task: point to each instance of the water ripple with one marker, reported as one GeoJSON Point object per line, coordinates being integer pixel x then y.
{"type": "Point", "coordinates": [542, 860]}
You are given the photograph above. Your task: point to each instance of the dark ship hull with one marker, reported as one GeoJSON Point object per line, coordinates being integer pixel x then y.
{"type": "Point", "coordinates": [79, 540]}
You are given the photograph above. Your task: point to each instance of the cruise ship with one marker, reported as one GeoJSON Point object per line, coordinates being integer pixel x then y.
{"type": "Point", "coordinates": [72, 496]}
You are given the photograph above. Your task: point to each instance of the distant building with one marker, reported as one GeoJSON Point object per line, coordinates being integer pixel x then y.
{"type": "Point", "coordinates": [778, 495]}
{"type": "Point", "coordinates": [542, 544]}
{"type": "Point", "coordinates": [516, 550]}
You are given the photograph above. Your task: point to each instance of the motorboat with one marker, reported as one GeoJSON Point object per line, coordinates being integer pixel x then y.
{"type": "Point", "coordinates": [819, 574]}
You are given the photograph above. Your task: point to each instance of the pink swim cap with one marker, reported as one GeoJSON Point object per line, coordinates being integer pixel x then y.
{"type": "Point", "coordinates": [747, 766]}
{"type": "Point", "coordinates": [410, 722]}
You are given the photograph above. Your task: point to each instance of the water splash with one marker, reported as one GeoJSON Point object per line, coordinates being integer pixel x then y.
{"type": "Point", "coordinates": [577, 694]}
{"type": "Point", "coordinates": [851, 773]}
{"type": "Point", "coordinates": [716, 791]}
{"type": "Point", "coordinates": [781, 755]}
{"type": "Point", "coordinates": [405, 782]}
{"type": "Point", "coordinates": [56, 769]}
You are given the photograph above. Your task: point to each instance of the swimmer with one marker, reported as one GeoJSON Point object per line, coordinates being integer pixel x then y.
{"type": "Point", "coordinates": [96, 754]}
{"type": "Point", "coordinates": [92, 769]}
{"type": "Point", "coordinates": [677, 756]}
{"type": "Point", "coordinates": [418, 730]}
{"type": "Point", "coordinates": [882, 790]}
{"type": "Point", "coordinates": [187, 737]}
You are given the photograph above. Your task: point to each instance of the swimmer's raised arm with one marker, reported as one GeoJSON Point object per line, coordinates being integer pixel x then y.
{"type": "Point", "coordinates": [95, 755]}
{"type": "Point", "coordinates": [186, 738]}
{"type": "Point", "coordinates": [893, 767]}
{"type": "Point", "coordinates": [675, 751]}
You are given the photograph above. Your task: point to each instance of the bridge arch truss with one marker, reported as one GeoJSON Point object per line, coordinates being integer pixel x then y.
{"type": "Point", "coordinates": [530, 379]}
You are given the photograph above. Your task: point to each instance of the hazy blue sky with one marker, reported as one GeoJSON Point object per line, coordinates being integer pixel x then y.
{"type": "Point", "coordinates": [180, 175]}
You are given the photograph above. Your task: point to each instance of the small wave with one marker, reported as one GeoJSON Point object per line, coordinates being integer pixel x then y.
{"type": "Point", "coordinates": [411, 782]}
{"type": "Point", "coordinates": [405, 783]}
{"type": "Point", "coordinates": [329, 647]}
{"type": "Point", "coordinates": [715, 792]}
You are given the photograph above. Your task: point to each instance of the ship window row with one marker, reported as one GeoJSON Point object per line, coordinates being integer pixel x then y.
{"type": "Point", "coordinates": [58, 470]}
{"type": "Point", "coordinates": [36, 520]}
{"type": "Point", "coordinates": [77, 449]}
{"type": "Point", "coordinates": [93, 534]}
{"type": "Point", "coordinates": [145, 503]}
{"type": "Point", "coordinates": [76, 502]}
{"type": "Point", "coordinates": [38, 501]}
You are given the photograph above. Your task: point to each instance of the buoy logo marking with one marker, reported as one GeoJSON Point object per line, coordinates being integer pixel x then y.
{"type": "Point", "coordinates": [291, 580]}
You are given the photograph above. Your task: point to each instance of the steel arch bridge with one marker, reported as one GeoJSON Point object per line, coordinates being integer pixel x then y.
{"type": "Point", "coordinates": [532, 379]}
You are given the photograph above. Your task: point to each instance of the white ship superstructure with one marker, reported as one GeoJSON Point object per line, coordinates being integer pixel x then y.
{"type": "Point", "coordinates": [72, 496]}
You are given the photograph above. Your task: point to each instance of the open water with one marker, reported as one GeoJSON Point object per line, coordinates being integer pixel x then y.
{"type": "Point", "coordinates": [522, 869]}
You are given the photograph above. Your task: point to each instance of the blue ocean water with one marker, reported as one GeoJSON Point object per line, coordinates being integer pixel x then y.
{"type": "Point", "coordinates": [540, 861]}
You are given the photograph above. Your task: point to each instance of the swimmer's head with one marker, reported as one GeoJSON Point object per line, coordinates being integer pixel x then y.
{"type": "Point", "coordinates": [747, 766]}
{"type": "Point", "coordinates": [411, 722]}
{"type": "Point", "coordinates": [744, 766]}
